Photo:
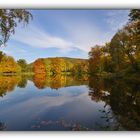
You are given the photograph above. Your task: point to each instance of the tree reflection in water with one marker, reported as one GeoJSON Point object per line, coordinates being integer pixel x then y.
{"type": "Point", "coordinates": [66, 125]}
{"type": "Point", "coordinates": [41, 81]}
{"type": "Point", "coordinates": [2, 126]}
{"type": "Point", "coordinates": [57, 81]}
{"type": "Point", "coordinates": [8, 83]}
{"type": "Point", "coordinates": [123, 97]}
{"type": "Point", "coordinates": [22, 82]}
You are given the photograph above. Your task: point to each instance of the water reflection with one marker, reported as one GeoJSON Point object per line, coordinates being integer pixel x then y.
{"type": "Point", "coordinates": [69, 103]}
{"type": "Point", "coordinates": [123, 96]}
{"type": "Point", "coordinates": [62, 123]}
{"type": "Point", "coordinates": [42, 81]}
{"type": "Point", "coordinates": [39, 80]}
{"type": "Point", "coordinates": [22, 82]}
{"type": "Point", "coordinates": [2, 126]}
{"type": "Point", "coordinates": [96, 87]}
{"type": "Point", "coordinates": [8, 83]}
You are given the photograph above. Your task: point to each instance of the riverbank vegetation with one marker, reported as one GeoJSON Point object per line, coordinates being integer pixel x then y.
{"type": "Point", "coordinates": [120, 56]}
{"type": "Point", "coordinates": [47, 66]}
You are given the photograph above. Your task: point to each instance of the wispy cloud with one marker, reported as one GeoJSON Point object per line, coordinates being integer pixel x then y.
{"type": "Point", "coordinates": [82, 35]}
{"type": "Point", "coordinates": [86, 34]}
{"type": "Point", "coordinates": [36, 37]}
{"type": "Point", "coordinates": [117, 19]}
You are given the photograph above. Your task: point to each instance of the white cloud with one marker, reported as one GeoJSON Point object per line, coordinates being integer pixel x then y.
{"type": "Point", "coordinates": [83, 34]}
{"type": "Point", "coordinates": [35, 37]}
{"type": "Point", "coordinates": [87, 35]}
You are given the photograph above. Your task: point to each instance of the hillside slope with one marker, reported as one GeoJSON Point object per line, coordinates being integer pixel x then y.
{"type": "Point", "coordinates": [57, 65]}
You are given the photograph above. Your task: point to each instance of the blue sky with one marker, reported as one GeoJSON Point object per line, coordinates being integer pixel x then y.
{"type": "Point", "coordinates": [69, 33]}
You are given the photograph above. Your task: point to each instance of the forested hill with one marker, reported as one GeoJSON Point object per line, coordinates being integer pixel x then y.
{"type": "Point", "coordinates": [60, 64]}
{"type": "Point", "coordinates": [50, 66]}
{"type": "Point", "coordinates": [64, 58]}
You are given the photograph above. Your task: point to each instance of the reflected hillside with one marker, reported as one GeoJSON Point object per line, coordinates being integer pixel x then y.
{"type": "Point", "coordinates": [58, 81]}
{"type": "Point", "coordinates": [120, 97]}
{"type": "Point", "coordinates": [41, 81]}
{"type": "Point", "coordinates": [123, 97]}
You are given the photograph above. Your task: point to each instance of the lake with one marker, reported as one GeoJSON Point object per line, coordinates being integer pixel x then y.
{"type": "Point", "coordinates": [68, 103]}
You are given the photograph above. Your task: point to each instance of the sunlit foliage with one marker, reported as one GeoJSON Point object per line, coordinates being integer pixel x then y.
{"type": "Point", "coordinates": [39, 66]}
{"type": "Point", "coordinates": [8, 65]}
{"type": "Point", "coordinates": [61, 65]}
{"type": "Point", "coordinates": [122, 54]}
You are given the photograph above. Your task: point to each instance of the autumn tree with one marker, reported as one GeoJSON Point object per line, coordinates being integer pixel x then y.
{"type": "Point", "coordinates": [57, 65]}
{"type": "Point", "coordinates": [126, 45]}
{"type": "Point", "coordinates": [134, 17]}
{"type": "Point", "coordinates": [9, 19]}
{"type": "Point", "coordinates": [39, 66]}
{"type": "Point", "coordinates": [48, 66]}
{"type": "Point", "coordinates": [116, 51]}
{"type": "Point", "coordinates": [8, 65]}
{"type": "Point", "coordinates": [80, 67]}
{"type": "Point", "coordinates": [123, 51]}
{"type": "Point", "coordinates": [95, 59]}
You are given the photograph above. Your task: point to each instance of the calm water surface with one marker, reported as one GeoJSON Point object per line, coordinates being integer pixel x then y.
{"type": "Point", "coordinates": [68, 103]}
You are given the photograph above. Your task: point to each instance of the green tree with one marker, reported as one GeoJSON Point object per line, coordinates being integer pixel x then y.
{"type": "Point", "coordinates": [116, 51]}
{"type": "Point", "coordinates": [134, 14]}
{"type": "Point", "coordinates": [9, 19]}
{"type": "Point", "coordinates": [23, 64]}
{"type": "Point", "coordinates": [1, 55]}
{"type": "Point", "coordinates": [126, 45]}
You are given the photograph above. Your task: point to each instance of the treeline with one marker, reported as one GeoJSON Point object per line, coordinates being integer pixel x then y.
{"type": "Point", "coordinates": [60, 65]}
{"type": "Point", "coordinates": [48, 66]}
{"type": "Point", "coordinates": [8, 65]}
{"type": "Point", "coordinates": [122, 54]}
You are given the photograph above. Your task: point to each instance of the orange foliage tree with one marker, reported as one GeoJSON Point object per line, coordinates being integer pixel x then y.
{"type": "Point", "coordinates": [39, 66]}
{"type": "Point", "coordinates": [95, 59]}
{"type": "Point", "coordinates": [57, 65]}
{"type": "Point", "coordinates": [8, 65]}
